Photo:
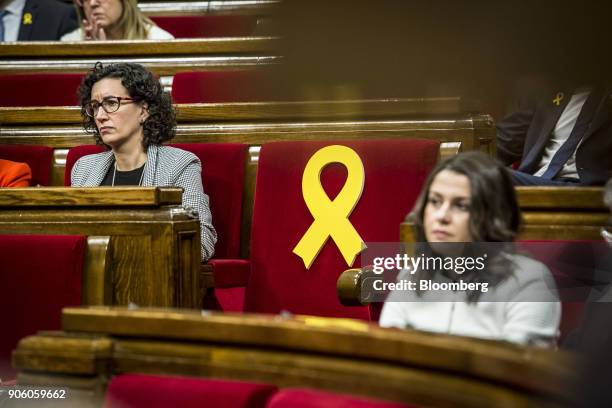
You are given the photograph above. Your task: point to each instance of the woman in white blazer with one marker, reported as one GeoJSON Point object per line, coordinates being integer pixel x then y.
{"type": "Point", "coordinates": [126, 110]}
{"type": "Point", "coordinates": [468, 209]}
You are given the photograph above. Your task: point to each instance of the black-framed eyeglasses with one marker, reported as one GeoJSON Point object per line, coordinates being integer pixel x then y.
{"type": "Point", "coordinates": [110, 104]}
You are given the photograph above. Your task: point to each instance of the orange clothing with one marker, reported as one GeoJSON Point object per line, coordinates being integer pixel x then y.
{"type": "Point", "coordinates": [13, 174]}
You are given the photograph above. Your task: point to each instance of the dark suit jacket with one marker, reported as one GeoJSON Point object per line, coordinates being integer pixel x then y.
{"type": "Point", "coordinates": [50, 20]}
{"type": "Point", "coordinates": [523, 136]}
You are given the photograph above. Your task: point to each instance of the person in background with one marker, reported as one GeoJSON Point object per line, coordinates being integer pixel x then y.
{"type": "Point", "coordinates": [564, 139]}
{"type": "Point", "coordinates": [469, 198]}
{"type": "Point", "coordinates": [114, 20]}
{"type": "Point", "coordinates": [35, 20]}
{"type": "Point", "coordinates": [125, 108]}
{"type": "Point", "coordinates": [14, 174]}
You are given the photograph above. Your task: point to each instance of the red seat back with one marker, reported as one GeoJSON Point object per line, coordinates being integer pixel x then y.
{"type": "Point", "coordinates": [39, 89]}
{"type": "Point", "coordinates": [218, 86]}
{"type": "Point", "coordinates": [305, 398]}
{"type": "Point", "coordinates": [39, 158]}
{"type": "Point", "coordinates": [223, 178]}
{"type": "Point", "coordinates": [39, 275]}
{"type": "Point", "coordinates": [223, 167]}
{"type": "Point", "coordinates": [149, 391]}
{"type": "Point", "coordinates": [207, 26]}
{"type": "Point", "coordinates": [394, 174]}
{"type": "Point", "coordinates": [572, 264]}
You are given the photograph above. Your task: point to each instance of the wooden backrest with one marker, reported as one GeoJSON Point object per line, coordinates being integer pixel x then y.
{"type": "Point", "coordinates": [161, 57]}
{"type": "Point", "coordinates": [337, 355]}
{"type": "Point", "coordinates": [447, 120]}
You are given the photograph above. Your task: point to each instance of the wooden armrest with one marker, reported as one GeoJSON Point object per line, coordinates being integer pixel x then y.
{"type": "Point", "coordinates": [348, 287]}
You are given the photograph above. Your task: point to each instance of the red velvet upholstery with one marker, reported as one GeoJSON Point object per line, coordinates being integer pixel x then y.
{"type": "Point", "coordinates": [207, 26]}
{"type": "Point", "coordinates": [39, 158]}
{"type": "Point", "coordinates": [39, 89]}
{"type": "Point", "coordinates": [304, 398]}
{"type": "Point", "coordinates": [218, 86]}
{"type": "Point", "coordinates": [572, 264]}
{"type": "Point", "coordinates": [39, 275]}
{"type": "Point", "coordinates": [148, 391]}
{"type": "Point", "coordinates": [74, 154]}
{"type": "Point", "coordinates": [223, 177]}
{"type": "Point", "coordinates": [394, 173]}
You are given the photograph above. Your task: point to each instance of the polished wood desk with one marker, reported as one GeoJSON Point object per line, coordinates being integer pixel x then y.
{"type": "Point", "coordinates": [339, 355]}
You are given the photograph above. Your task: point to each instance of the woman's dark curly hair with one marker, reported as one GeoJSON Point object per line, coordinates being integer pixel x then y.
{"type": "Point", "coordinates": [141, 85]}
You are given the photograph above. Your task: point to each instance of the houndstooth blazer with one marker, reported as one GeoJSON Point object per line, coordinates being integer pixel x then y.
{"type": "Point", "coordinates": [166, 166]}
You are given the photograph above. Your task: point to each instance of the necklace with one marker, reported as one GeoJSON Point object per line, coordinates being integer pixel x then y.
{"type": "Point", "coordinates": [115, 173]}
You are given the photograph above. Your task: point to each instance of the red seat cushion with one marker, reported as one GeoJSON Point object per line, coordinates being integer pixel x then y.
{"type": "Point", "coordinates": [394, 174]}
{"type": "Point", "coordinates": [207, 26]}
{"type": "Point", "coordinates": [218, 86]}
{"type": "Point", "coordinates": [303, 398]}
{"type": "Point", "coordinates": [39, 158]}
{"type": "Point", "coordinates": [39, 89]}
{"type": "Point", "coordinates": [148, 391]}
{"type": "Point", "coordinates": [39, 275]}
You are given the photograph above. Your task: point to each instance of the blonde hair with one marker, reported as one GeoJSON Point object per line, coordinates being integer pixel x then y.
{"type": "Point", "coordinates": [133, 24]}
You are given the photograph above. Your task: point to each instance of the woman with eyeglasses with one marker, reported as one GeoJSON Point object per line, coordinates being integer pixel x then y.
{"type": "Point", "coordinates": [470, 281]}
{"type": "Point", "coordinates": [126, 110]}
{"type": "Point", "coordinates": [113, 20]}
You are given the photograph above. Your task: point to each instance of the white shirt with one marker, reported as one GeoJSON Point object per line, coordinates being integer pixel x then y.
{"type": "Point", "coordinates": [153, 33]}
{"type": "Point", "coordinates": [12, 20]}
{"type": "Point", "coordinates": [514, 317]}
{"type": "Point", "coordinates": [562, 131]}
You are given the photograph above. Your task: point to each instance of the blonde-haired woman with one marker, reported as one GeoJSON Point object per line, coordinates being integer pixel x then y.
{"type": "Point", "coordinates": [114, 20]}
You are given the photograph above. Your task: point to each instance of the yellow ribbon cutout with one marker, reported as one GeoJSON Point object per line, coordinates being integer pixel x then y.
{"type": "Point", "coordinates": [331, 217]}
{"type": "Point", "coordinates": [27, 18]}
{"type": "Point", "coordinates": [558, 98]}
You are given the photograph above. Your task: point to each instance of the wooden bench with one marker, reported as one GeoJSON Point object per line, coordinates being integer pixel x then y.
{"type": "Point", "coordinates": [161, 57]}
{"type": "Point", "coordinates": [337, 355]}
{"type": "Point", "coordinates": [452, 121]}
{"type": "Point", "coordinates": [153, 253]}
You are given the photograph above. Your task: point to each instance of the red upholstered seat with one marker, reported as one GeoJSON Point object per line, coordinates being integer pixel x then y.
{"type": "Point", "coordinates": [572, 264]}
{"type": "Point", "coordinates": [218, 86]}
{"type": "Point", "coordinates": [39, 275]}
{"type": "Point", "coordinates": [148, 391]}
{"type": "Point", "coordinates": [394, 173]}
{"type": "Point", "coordinates": [39, 158]}
{"type": "Point", "coordinates": [207, 26]}
{"type": "Point", "coordinates": [39, 89]}
{"type": "Point", "coordinates": [304, 398]}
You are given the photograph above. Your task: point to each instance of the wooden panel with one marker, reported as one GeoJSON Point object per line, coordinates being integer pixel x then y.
{"type": "Point", "coordinates": [358, 110]}
{"type": "Point", "coordinates": [132, 48]}
{"type": "Point", "coordinates": [333, 354]}
{"type": "Point", "coordinates": [90, 196]}
{"type": "Point", "coordinates": [578, 198]}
